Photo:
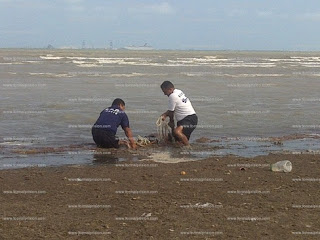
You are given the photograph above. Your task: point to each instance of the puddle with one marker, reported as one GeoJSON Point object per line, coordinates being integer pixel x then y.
{"type": "Point", "coordinates": [26, 156]}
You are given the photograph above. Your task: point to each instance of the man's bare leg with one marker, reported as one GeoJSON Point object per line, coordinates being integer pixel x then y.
{"type": "Point", "coordinates": [178, 132]}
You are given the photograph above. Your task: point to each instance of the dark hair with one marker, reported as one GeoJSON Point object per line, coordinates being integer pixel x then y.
{"type": "Point", "coordinates": [166, 85]}
{"type": "Point", "coordinates": [117, 102]}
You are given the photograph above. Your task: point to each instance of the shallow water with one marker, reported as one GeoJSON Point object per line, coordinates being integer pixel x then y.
{"type": "Point", "coordinates": [51, 98]}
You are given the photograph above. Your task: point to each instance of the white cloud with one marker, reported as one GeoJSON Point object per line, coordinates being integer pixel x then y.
{"type": "Point", "coordinates": [31, 4]}
{"type": "Point", "coordinates": [73, 1]}
{"type": "Point", "coordinates": [96, 13]}
{"type": "Point", "coordinates": [160, 8]}
{"type": "Point", "coordinates": [75, 5]}
{"type": "Point", "coordinates": [17, 32]}
{"type": "Point", "coordinates": [236, 13]}
{"type": "Point", "coordinates": [76, 8]}
{"type": "Point", "coordinates": [311, 16]}
{"type": "Point", "coordinates": [203, 20]}
{"type": "Point", "coordinates": [264, 13]}
{"type": "Point", "coordinates": [163, 8]}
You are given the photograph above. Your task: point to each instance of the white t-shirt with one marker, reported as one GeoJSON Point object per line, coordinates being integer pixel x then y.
{"type": "Point", "coordinates": [180, 104]}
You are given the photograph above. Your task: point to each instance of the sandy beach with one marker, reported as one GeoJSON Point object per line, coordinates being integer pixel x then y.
{"type": "Point", "coordinates": [216, 198]}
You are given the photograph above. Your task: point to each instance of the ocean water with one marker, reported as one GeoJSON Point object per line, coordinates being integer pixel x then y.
{"type": "Point", "coordinates": [244, 100]}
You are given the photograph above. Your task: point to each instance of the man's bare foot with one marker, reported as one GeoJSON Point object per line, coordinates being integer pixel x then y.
{"type": "Point", "coordinates": [186, 147]}
{"type": "Point", "coordinates": [178, 144]}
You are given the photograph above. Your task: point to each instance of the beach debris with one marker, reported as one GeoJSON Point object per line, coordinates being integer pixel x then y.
{"type": "Point", "coordinates": [199, 205]}
{"type": "Point", "coordinates": [146, 215]}
{"type": "Point", "coordinates": [278, 143]}
{"type": "Point", "coordinates": [163, 129]}
{"type": "Point", "coordinates": [142, 141]}
{"type": "Point", "coordinates": [281, 166]}
{"type": "Point", "coordinates": [183, 173]}
{"type": "Point", "coordinates": [202, 205]}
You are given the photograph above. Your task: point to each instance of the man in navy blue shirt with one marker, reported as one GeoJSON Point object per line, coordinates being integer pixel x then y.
{"type": "Point", "coordinates": [105, 129]}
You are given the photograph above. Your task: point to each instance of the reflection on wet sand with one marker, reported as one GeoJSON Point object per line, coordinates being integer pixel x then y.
{"type": "Point", "coordinates": [202, 148]}
{"type": "Point", "coordinates": [104, 159]}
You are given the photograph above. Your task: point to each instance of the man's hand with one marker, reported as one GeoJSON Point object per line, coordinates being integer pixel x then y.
{"type": "Point", "coordinates": [167, 114]}
{"type": "Point", "coordinates": [163, 116]}
{"type": "Point", "coordinates": [133, 145]}
{"type": "Point", "coordinates": [128, 133]}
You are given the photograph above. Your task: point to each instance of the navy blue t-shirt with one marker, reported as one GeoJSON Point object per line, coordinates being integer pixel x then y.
{"type": "Point", "coordinates": [110, 119]}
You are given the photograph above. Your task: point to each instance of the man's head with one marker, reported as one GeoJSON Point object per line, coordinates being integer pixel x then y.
{"type": "Point", "coordinates": [167, 88]}
{"type": "Point", "coordinates": [119, 102]}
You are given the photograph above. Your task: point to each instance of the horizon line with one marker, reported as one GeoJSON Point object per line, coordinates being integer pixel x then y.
{"type": "Point", "coordinates": [155, 49]}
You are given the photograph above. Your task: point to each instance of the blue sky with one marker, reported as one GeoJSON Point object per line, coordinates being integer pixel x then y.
{"type": "Point", "coordinates": [171, 24]}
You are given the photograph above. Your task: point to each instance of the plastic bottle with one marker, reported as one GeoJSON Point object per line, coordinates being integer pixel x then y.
{"type": "Point", "coordinates": [282, 166]}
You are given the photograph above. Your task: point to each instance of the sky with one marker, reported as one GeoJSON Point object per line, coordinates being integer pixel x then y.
{"type": "Point", "coordinates": [173, 24]}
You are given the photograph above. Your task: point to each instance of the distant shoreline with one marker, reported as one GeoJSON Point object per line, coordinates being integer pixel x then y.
{"type": "Point", "coordinates": [159, 50]}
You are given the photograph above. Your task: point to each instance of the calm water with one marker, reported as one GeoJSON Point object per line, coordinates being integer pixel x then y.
{"type": "Point", "coordinates": [51, 98]}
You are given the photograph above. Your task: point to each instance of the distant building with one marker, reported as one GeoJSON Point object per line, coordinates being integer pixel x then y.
{"type": "Point", "coordinates": [50, 46]}
{"type": "Point", "coordinates": [138, 48]}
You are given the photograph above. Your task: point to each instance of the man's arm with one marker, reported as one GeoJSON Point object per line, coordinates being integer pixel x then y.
{"type": "Point", "coordinates": [129, 135]}
{"type": "Point", "coordinates": [169, 113]}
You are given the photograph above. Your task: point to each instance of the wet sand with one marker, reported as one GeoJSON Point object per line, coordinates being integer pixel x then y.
{"type": "Point", "coordinates": [217, 198]}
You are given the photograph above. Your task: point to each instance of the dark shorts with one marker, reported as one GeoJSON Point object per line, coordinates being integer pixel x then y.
{"type": "Point", "coordinates": [189, 124]}
{"type": "Point", "coordinates": [104, 138]}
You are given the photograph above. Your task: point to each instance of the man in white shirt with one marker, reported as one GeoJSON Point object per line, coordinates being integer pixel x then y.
{"type": "Point", "coordinates": [181, 108]}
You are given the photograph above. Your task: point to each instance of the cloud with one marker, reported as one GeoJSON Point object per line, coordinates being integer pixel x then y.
{"type": "Point", "coordinates": [311, 16]}
{"type": "Point", "coordinates": [160, 8]}
{"type": "Point", "coordinates": [96, 13]}
{"type": "Point", "coordinates": [264, 13]}
{"type": "Point", "coordinates": [73, 1]}
{"type": "Point", "coordinates": [202, 20]}
{"type": "Point", "coordinates": [236, 13]}
{"type": "Point", "coordinates": [17, 32]}
{"type": "Point", "coordinates": [76, 8]}
{"type": "Point", "coordinates": [75, 5]}
{"type": "Point", "coordinates": [31, 4]}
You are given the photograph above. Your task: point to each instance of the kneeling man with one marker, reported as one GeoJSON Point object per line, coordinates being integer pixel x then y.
{"type": "Point", "coordinates": [105, 129]}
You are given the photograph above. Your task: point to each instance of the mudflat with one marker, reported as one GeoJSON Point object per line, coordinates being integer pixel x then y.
{"type": "Point", "coordinates": [217, 198]}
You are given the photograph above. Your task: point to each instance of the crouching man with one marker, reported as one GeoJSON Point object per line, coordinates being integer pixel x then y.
{"type": "Point", "coordinates": [105, 129]}
{"type": "Point", "coordinates": [181, 108]}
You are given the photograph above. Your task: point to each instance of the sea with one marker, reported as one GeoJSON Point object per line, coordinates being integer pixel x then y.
{"type": "Point", "coordinates": [248, 103]}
